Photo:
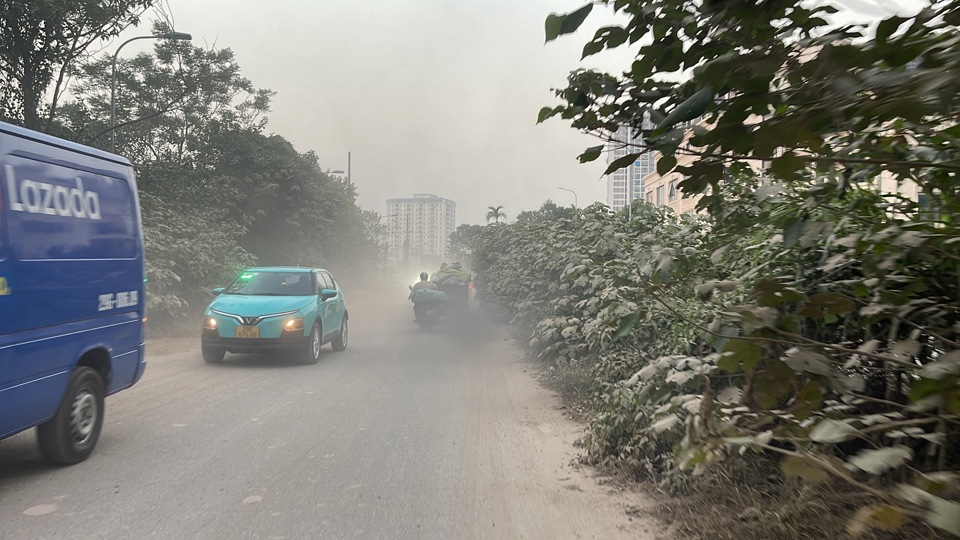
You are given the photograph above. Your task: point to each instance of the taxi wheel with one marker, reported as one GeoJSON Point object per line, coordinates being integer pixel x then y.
{"type": "Point", "coordinates": [311, 352]}
{"type": "Point", "coordinates": [211, 355]}
{"type": "Point", "coordinates": [70, 436]}
{"type": "Point", "coordinates": [340, 342]}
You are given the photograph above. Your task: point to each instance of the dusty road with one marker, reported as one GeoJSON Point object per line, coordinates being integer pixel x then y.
{"type": "Point", "coordinates": [406, 435]}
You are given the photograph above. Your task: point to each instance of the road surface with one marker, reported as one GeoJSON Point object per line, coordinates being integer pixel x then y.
{"type": "Point", "coordinates": [405, 435]}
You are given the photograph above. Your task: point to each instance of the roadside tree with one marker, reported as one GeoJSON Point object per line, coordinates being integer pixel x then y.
{"type": "Point", "coordinates": [827, 158]}
{"type": "Point", "coordinates": [40, 42]}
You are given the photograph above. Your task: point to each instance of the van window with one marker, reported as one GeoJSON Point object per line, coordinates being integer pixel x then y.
{"type": "Point", "coordinates": [64, 213]}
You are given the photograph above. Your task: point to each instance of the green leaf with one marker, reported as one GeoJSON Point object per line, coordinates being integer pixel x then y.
{"type": "Point", "coordinates": [666, 164]}
{"type": "Point", "coordinates": [622, 162]}
{"type": "Point", "coordinates": [797, 466]}
{"type": "Point", "coordinates": [830, 431]}
{"type": "Point", "coordinates": [737, 352]}
{"type": "Point", "coordinates": [627, 324]}
{"type": "Point", "coordinates": [591, 48]}
{"type": "Point", "coordinates": [547, 112]}
{"type": "Point", "coordinates": [773, 294]}
{"type": "Point", "coordinates": [880, 516]}
{"type": "Point", "coordinates": [690, 109]}
{"type": "Point", "coordinates": [928, 387]}
{"type": "Point", "coordinates": [819, 305]}
{"type": "Point", "coordinates": [608, 36]}
{"type": "Point", "coordinates": [787, 165]}
{"type": "Point", "coordinates": [558, 25]}
{"type": "Point", "coordinates": [792, 230]}
{"type": "Point", "coordinates": [953, 402]}
{"type": "Point", "coordinates": [809, 398]}
{"type": "Point", "coordinates": [591, 154]}
{"type": "Point", "coordinates": [887, 27]}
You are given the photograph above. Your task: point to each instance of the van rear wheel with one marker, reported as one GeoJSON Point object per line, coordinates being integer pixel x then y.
{"type": "Point", "coordinates": [71, 435]}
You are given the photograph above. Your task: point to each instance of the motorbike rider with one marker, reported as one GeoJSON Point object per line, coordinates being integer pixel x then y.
{"type": "Point", "coordinates": [424, 283]}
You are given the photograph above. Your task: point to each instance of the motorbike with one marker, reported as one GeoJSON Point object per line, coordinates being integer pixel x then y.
{"type": "Point", "coordinates": [426, 307]}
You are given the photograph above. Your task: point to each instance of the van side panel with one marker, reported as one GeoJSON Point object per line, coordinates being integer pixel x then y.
{"type": "Point", "coordinates": [72, 260]}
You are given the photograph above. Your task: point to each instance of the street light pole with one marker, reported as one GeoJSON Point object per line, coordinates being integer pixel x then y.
{"type": "Point", "coordinates": [113, 77]}
{"type": "Point", "coordinates": [575, 203]}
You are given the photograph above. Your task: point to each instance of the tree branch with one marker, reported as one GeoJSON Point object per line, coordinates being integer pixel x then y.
{"type": "Point", "coordinates": [838, 348]}
{"type": "Point", "coordinates": [808, 158]}
{"type": "Point", "coordinates": [170, 106]}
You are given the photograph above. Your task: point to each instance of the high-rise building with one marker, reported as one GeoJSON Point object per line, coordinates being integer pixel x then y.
{"type": "Point", "coordinates": [627, 183]}
{"type": "Point", "coordinates": [419, 228]}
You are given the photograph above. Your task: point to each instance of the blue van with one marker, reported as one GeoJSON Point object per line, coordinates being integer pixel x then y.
{"type": "Point", "coordinates": [71, 289]}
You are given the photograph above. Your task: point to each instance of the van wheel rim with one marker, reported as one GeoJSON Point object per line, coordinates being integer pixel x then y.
{"type": "Point", "coordinates": [315, 343]}
{"type": "Point", "coordinates": [344, 333]}
{"type": "Point", "coordinates": [83, 417]}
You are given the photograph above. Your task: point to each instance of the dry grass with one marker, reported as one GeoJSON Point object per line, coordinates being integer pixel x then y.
{"type": "Point", "coordinates": [749, 499]}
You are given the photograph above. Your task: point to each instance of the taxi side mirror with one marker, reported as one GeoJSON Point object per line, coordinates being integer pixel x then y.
{"type": "Point", "coordinates": [327, 294]}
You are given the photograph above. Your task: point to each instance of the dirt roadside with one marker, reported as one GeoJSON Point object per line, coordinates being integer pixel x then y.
{"type": "Point", "coordinates": [530, 484]}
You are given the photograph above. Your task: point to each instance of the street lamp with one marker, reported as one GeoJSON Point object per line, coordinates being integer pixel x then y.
{"type": "Point", "coordinates": [113, 77]}
{"type": "Point", "coordinates": [575, 203]}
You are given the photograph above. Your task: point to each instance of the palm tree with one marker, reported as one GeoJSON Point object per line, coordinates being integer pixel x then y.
{"type": "Point", "coordinates": [496, 213]}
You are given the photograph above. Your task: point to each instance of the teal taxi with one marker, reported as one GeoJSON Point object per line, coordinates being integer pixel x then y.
{"type": "Point", "coordinates": [276, 309]}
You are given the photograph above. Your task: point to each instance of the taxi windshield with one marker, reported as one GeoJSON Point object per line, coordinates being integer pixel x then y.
{"type": "Point", "coordinates": [272, 284]}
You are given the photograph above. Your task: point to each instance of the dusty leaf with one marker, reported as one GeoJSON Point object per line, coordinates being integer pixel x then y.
{"type": "Point", "coordinates": [945, 366]}
{"type": "Point", "coordinates": [945, 515]}
{"type": "Point", "coordinates": [830, 431]}
{"type": "Point", "coordinates": [881, 460]}
{"type": "Point", "coordinates": [665, 423]}
{"type": "Point", "coordinates": [730, 395]}
{"type": "Point", "coordinates": [907, 347]}
{"type": "Point", "coordinates": [808, 361]}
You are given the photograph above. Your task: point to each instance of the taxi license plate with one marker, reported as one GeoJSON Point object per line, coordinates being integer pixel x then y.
{"type": "Point", "coordinates": [248, 331]}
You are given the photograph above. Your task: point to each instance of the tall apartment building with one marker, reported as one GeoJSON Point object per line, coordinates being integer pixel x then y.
{"type": "Point", "coordinates": [619, 188]}
{"type": "Point", "coordinates": [419, 227]}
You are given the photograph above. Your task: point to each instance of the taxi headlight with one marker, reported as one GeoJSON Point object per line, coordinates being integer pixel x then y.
{"type": "Point", "coordinates": [209, 323]}
{"type": "Point", "coordinates": [292, 325]}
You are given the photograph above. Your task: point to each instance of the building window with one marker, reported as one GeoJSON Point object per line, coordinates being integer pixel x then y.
{"type": "Point", "coordinates": [659, 195]}
{"type": "Point", "coordinates": [650, 196]}
{"type": "Point", "coordinates": [673, 190]}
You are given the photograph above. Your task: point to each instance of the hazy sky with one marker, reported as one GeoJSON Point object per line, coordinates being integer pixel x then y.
{"type": "Point", "coordinates": [430, 96]}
